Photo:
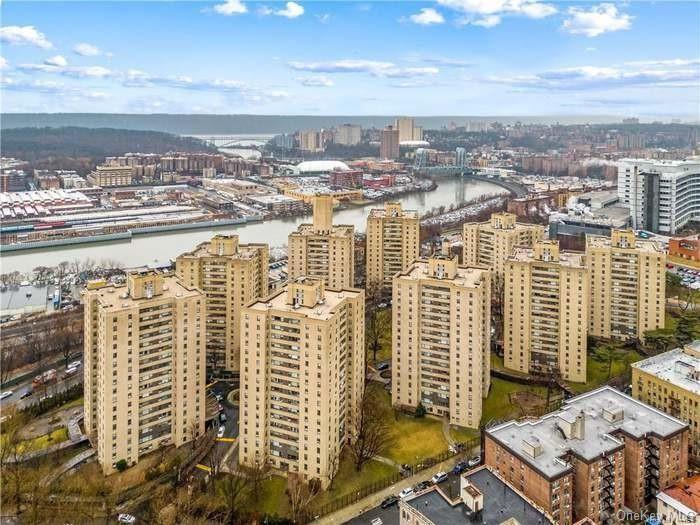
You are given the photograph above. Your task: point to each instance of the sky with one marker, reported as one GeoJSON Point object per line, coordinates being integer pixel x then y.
{"type": "Point", "coordinates": [447, 57]}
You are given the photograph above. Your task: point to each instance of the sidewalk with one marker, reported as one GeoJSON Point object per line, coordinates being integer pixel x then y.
{"type": "Point", "coordinates": [371, 501]}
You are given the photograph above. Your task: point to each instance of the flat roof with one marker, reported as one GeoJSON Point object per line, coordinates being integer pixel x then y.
{"type": "Point", "coordinates": [245, 251]}
{"type": "Point", "coordinates": [645, 245]}
{"type": "Point", "coordinates": [570, 259]}
{"type": "Point", "coordinates": [637, 420]}
{"type": "Point", "coordinates": [320, 311]}
{"type": "Point", "coordinates": [272, 199]}
{"type": "Point", "coordinates": [381, 212]}
{"type": "Point", "coordinates": [675, 367]}
{"type": "Point", "coordinates": [115, 298]}
{"type": "Point", "coordinates": [501, 502]}
{"type": "Point", "coordinates": [338, 230]}
{"type": "Point", "coordinates": [470, 276]}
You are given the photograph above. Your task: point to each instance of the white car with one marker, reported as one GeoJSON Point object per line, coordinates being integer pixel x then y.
{"type": "Point", "coordinates": [6, 393]}
{"type": "Point", "coordinates": [438, 478]}
{"type": "Point", "coordinates": [126, 518]}
{"type": "Point", "coordinates": [74, 364]}
{"type": "Point", "coordinates": [405, 493]}
{"type": "Point", "coordinates": [221, 431]}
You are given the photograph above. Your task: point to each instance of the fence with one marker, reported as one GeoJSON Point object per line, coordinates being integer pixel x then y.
{"type": "Point", "coordinates": [411, 470]}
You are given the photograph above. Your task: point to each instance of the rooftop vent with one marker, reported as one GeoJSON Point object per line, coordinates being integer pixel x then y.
{"type": "Point", "coordinates": [613, 414]}
{"type": "Point", "coordinates": [532, 447]}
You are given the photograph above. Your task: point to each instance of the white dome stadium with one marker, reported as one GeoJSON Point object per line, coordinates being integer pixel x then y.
{"type": "Point", "coordinates": [321, 166]}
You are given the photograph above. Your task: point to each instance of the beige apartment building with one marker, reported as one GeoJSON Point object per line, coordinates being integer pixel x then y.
{"type": "Point", "coordinates": [671, 382]}
{"type": "Point", "coordinates": [628, 285]}
{"type": "Point", "coordinates": [441, 326]}
{"type": "Point", "coordinates": [144, 366]}
{"type": "Point", "coordinates": [106, 176]}
{"type": "Point", "coordinates": [393, 242]}
{"type": "Point", "coordinates": [491, 243]}
{"type": "Point", "coordinates": [230, 275]}
{"type": "Point", "coordinates": [302, 377]}
{"type": "Point", "coordinates": [322, 249]}
{"type": "Point", "coordinates": [546, 311]}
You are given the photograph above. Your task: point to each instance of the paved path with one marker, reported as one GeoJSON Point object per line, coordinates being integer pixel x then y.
{"type": "Point", "coordinates": [68, 465]}
{"type": "Point", "coordinates": [371, 501]}
{"type": "Point", "coordinates": [387, 461]}
{"type": "Point", "coordinates": [446, 432]}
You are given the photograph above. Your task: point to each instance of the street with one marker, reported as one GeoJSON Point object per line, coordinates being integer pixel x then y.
{"type": "Point", "coordinates": [390, 516]}
{"type": "Point", "coordinates": [25, 386]}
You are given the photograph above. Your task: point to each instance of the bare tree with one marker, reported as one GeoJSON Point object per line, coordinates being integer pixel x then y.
{"type": "Point", "coordinates": [256, 475]}
{"type": "Point", "coordinates": [10, 453]}
{"type": "Point", "coordinates": [376, 323]}
{"type": "Point", "coordinates": [300, 494]}
{"type": "Point", "coordinates": [235, 493]}
{"type": "Point", "coordinates": [372, 433]}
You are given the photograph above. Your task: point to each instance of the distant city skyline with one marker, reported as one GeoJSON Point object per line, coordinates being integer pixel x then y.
{"type": "Point", "coordinates": [464, 57]}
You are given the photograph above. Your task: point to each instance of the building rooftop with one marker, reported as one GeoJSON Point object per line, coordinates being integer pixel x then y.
{"type": "Point", "coordinates": [320, 166]}
{"type": "Point", "coordinates": [646, 245]}
{"type": "Point", "coordinates": [321, 310]}
{"type": "Point", "coordinates": [606, 412]}
{"type": "Point", "coordinates": [675, 167]}
{"type": "Point", "coordinates": [680, 367]}
{"type": "Point", "coordinates": [272, 199]}
{"type": "Point", "coordinates": [390, 211]}
{"type": "Point", "coordinates": [469, 276]}
{"type": "Point", "coordinates": [684, 496]}
{"type": "Point", "coordinates": [114, 298]}
{"type": "Point", "coordinates": [337, 230]}
{"type": "Point", "coordinates": [570, 259]}
{"type": "Point", "coordinates": [501, 502]}
{"type": "Point", "coordinates": [243, 251]}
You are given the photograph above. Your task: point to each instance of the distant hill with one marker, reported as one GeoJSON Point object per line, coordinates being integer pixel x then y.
{"type": "Point", "coordinates": [35, 144]}
{"type": "Point", "coordinates": [257, 124]}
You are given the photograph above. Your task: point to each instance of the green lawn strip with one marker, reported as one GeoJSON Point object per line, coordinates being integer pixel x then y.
{"type": "Point", "coordinates": [273, 499]}
{"type": "Point", "coordinates": [463, 435]}
{"type": "Point", "coordinates": [40, 442]}
{"type": "Point", "coordinates": [349, 481]}
{"type": "Point", "coordinates": [497, 406]}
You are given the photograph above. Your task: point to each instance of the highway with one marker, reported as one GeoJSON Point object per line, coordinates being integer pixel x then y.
{"type": "Point", "coordinates": [20, 389]}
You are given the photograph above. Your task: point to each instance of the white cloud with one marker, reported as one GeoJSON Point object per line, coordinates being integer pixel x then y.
{"type": "Point", "coordinates": [659, 73]}
{"type": "Point", "coordinates": [3, 63]}
{"type": "Point", "coordinates": [487, 21]}
{"type": "Point", "coordinates": [591, 49]}
{"type": "Point", "coordinates": [372, 67]}
{"type": "Point", "coordinates": [600, 19]}
{"type": "Point", "coordinates": [86, 50]}
{"type": "Point", "coordinates": [69, 71]}
{"type": "Point", "coordinates": [446, 62]}
{"type": "Point", "coordinates": [58, 60]}
{"type": "Point", "coordinates": [24, 35]}
{"type": "Point", "coordinates": [427, 16]}
{"type": "Point", "coordinates": [315, 81]}
{"type": "Point", "coordinates": [231, 7]}
{"type": "Point", "coordinates": [489, 13]}
{"type": "Point", "coordinates": [290, 10]}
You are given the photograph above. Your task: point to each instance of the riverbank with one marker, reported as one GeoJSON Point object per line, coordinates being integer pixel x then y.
{"type": "Point", "coordinates": [159, 248]}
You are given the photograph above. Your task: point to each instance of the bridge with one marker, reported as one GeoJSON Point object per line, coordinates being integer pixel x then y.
{"type": "Point", "coordinates": [234, 141]}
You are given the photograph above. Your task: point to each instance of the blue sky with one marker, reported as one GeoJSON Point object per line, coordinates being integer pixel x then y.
{"type": "Point", "coordinates": [448, 57]}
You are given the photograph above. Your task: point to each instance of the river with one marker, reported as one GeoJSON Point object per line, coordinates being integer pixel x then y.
{"type": "Point", "coordinates": [159, 247]}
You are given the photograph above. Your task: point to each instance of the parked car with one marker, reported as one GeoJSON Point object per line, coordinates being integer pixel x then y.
{"type": "Point", "coordinates": [222, 417]}
{"type": "Point", "coordinates": [390, 501]}
{"type": "Point", "coordinates": [473, 462]}
{"type": "Point", "coordinates": [382, 366]}
{"type": "Point", "coordinates": [26, 394]}
{"type": "Point", "coordinates": [6, 394]}
{"type": "Point", "coordinates": [126, 518]}
{"type": "Point", "coordinates": [460, 467]}
{"type": "Point", "coordinates": [405, 493]}
{"type": "Point", "coordinates": [221, 431]}
{"type": "Point", "coordinates": [377, 521]}
{"type": "Point", "coordinates": [421, 485]}
{"type": "Point", "coordinates": [438, 478]}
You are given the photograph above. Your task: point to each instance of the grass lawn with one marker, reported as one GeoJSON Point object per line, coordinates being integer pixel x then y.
{"type": "Point", "coordinates": [597, 372]}
{"type": "Point", "coordinates": [498, 405]}
{"type": "Point", "coordinates": [348, 480]}
{"type": "Point", "coordinates": [384, 352]}
{"type": "Point", "coordinates": [30, 445]}
{"type": "Point", "coordinates": [75, 403]}
{"type": "Point", "coordinates": [273, 500]}
{"type": "Point", "coordinates": [461, 434]}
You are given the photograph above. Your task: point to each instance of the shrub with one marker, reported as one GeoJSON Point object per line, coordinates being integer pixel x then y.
{"type": "Point", "coordinates": [121, 465]}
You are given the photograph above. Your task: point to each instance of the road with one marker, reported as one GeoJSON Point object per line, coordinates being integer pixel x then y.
{"type": "Point", "coordinates": [390, 516]}
{"type": "Point", "coordinates": [20, 389]}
